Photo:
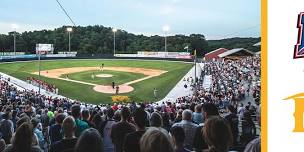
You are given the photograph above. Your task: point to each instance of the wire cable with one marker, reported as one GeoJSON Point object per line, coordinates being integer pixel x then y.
{"type": "Point", "coordinates": [66, 13]}
{"type": "Point", "coordinates": [241, 31]}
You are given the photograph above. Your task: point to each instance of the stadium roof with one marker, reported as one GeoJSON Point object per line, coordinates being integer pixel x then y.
{"type": "Point", "coordinates": [233, 51]}
{"type": "Point", "coordinates": [219, 49]}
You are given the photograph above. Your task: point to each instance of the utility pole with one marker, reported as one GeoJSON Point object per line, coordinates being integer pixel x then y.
{"type": "Point", "coordinates": [39, 69]}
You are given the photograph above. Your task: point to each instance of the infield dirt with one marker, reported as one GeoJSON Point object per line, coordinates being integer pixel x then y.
{"type": "Point", "coordinates": [124, 88]}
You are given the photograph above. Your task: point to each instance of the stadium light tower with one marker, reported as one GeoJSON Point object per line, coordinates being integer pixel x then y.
{"type": "Point", "coordinates": [15, 27]}
{"type": "Point", "coordinates": [114, 31]}
{"type": "Point", "coordinates": [166, 29]}
{"type": "Point", "coordinates": [69, 29]}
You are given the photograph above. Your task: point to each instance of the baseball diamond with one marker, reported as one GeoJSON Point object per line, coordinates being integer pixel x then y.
{"type": "Point", "coordinates": [80, 79]}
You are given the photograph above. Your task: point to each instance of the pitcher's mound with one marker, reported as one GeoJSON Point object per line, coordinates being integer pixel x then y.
{"type": "Point", "coordinates": [104, 75]}
{"type": "Point", "coordinates": [110, 90]}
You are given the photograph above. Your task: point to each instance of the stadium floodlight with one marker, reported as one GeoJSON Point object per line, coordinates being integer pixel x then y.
{"type": "Point", "coordinates": [15, 27]}
{"type": "Point", "coordinates": [166, 29]}
{"type": "Point", "coordinates": [114, 31]}
{"type": "Point", "coordinates": [69, 29]}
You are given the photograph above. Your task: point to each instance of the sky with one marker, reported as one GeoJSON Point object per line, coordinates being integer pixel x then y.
{"type": "Point", "coordinates": [216, 19]}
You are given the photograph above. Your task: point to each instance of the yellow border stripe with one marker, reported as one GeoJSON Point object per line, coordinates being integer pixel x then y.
{"type": "Point", "coordinates": [264, 75]}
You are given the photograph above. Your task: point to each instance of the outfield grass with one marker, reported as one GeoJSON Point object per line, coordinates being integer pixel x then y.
{"type": "Point", "coordinates": [143, 91]}
{"type": "Point", "coordinates": [118, 77]}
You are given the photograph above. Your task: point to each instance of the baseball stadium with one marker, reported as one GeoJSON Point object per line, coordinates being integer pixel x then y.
{"type": "Point", "coordinates": [85, 76]}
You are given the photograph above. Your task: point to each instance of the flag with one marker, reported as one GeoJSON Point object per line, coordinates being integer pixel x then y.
{"type": "Point", "coordinates": [187, 47]}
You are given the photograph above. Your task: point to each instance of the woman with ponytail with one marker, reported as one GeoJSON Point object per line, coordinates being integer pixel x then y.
{"type": "Point", "coordinates": [22, 141]}
{"type": "Point", "coordinates": [217, 134]}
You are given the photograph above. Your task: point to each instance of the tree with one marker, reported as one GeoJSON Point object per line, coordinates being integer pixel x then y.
{"type": "Point", "coordinates": [98, 39]}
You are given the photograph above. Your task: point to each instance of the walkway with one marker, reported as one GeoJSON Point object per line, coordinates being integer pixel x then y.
{"type": "Point", "coordinates": [207, 82]}
{"type": "Point", "coordinates": [179, 90]}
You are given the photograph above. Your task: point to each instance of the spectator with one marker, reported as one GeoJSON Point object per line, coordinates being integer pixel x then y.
{"type": "Point", "coordinates": [67, 144]}
{"type": "Point", "coordinates": [248, 129]}
{"type": "Point", "coordinates": [22, 120]}
{"type": "Point", "coordinates": [2, 145]}
{"type": "Point", "coordinates": [121, 129]}
{"type": "Point", "coordinates": [7, 127]}
{"type": "Point", "coordinates": [255, 144]}
{"type": "Point", "coordinates": [14, 118]}
{"type": "Point", "coordinates": [178, 136]}
{"type": "Point", "coordinates": [97, 122]}
{"type": "Point", "coordinates": [217, 134]}
{"type": "Point", "coordinates": [156, 120]}
{"type": "Point", "coordinates": [80, 125]}
{"type": "Point", "coordinates": [197, 115]}
{"type": "Point", "coordinates": [199, 143]}
{"type": "Point", "coordinates": [89, 141]}
{"type": "Point", "coordinates": [86, 116]}
{"type": "Point", "coordinates": [23, 140]}
{"type": "Point", "coordinates": [233, 121]}
{"type": "Point", "coordinates": [106, 131]}
{"type": "Point", "coordinates": [178, 116]}
{"type": "Point", "coordinates": [37, 131]}
{"type": "Point", "coordinates": [55, 130]}
{"type": "Point", "coordinates": [131, 142]}
{"type": "Point", "coordinates": [188, 127]}
{"type": "Point", "coordinates": [155, 140]}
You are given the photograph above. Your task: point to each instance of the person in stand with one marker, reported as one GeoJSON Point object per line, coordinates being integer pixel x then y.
{"type": "Point", "coordinates": [131, 142]}
{"type": "Point", "coordinates": [156, 140]}
{"type": "Point", "coordinates": [55, 129]}
{"type": "Point", "coordinates": [80, 125]}
{"type": "Point", "coordinates": [117, 89]}
{"type": "Point", "coordinates": [178, 137]}
{"type": "Point", "coordinates": [22, 141]}
{"type": "Point", "coordinates": [89, 141]}
{"type": "Point", "coordinates": [106, 131]}
{"type": "Point", "coordinates": [121, 129]}
{"type": "Point", "coordinates": [69, 140]}
{"type": "Point", "coordinates": [189, 128]}
{"type": "Point", "coordinates": [217, 134]}
{"type": "Point", "coordinates": [7, 126]}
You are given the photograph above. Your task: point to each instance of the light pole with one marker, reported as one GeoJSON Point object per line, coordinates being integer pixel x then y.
{"type": "Point", "coordinates": [69, 29]}
{"type": "Point", "coordinates": [166, 29]}
{"type": "Point", "coordinates": [14, 26]}
{"type": "Point", "coordinates": [114, 31]}
{"type": "Point", "coordinates": [195, 84]}
{"type": "Point", "coordinates": [39, 69]}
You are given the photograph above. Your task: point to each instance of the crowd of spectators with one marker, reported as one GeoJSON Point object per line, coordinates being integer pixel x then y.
{"type": "Point", "coordinates": [44, 85]}
{"type": "Point", "coordinates": [214, 120]}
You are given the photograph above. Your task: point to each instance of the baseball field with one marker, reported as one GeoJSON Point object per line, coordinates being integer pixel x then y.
{"type": "Point", "coordinates": [89, 81]}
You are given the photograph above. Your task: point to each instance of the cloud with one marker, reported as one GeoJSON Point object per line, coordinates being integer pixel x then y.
{"type": "Point", "coordinates": [6, 27]}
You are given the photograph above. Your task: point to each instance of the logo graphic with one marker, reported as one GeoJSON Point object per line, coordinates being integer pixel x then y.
{"type": "Point", "coordinates": [299, 47]}
{"type": "Point", "coordinates": [299, 111]}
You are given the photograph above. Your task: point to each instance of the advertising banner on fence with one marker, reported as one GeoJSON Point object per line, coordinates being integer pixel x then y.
{"type": "Point", "coordinates": [146, 54]}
